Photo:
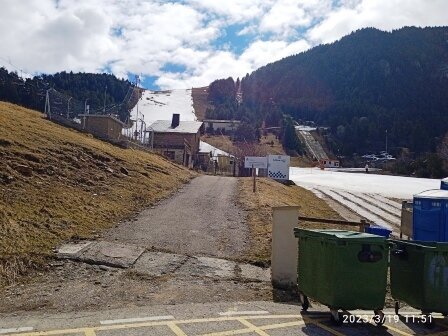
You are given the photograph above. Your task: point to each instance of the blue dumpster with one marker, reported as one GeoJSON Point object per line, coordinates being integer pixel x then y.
{"type": "Point", "coordinates": [378, 230]}
{"type": "Point", "coordinates": [444, 184]}
{"type": "Point", "coordinates": [430, 216]}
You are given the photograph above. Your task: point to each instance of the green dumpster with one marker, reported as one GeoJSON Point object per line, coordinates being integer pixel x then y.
{"type": "Point", "coordinates": [343, 270]}
{"type": "Point", "coordinates": [419, 275]}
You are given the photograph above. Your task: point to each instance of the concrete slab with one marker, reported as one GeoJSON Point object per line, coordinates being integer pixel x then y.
{"type": "Point", "coordinates": [159, 263]}
{"type": "Point", "coordinates": [209, 267]}
{"type": "Point", "coordinates": [251, 272]}
{"type": "Point", "coordinates": [72, 250]}
{"type": "Point", "coordinates": [111, 254]}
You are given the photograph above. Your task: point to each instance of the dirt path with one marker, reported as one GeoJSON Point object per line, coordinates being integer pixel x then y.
{"type": "Point", "coordinates": [198, 224]}
{"type": "Point", "coordinates": [202, 218]}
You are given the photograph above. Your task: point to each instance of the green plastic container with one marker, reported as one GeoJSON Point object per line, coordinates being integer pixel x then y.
{"type": "Point", "coordinates": [343, 269]}
{"type": "Point", "coordinates": [419, 275]}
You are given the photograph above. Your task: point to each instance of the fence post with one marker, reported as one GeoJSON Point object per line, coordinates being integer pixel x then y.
{"type": "Point", "coordinates": [362, 225]}
{"type": "Point", "coordinates": [284, 255]}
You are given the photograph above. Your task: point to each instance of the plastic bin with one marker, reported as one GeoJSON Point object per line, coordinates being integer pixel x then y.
{"type": "Point", "coordinates": [419, 275]}
{"type": "Point", "coordinates": [378, 230]}
{"type": "Point", "coordinates": [342, 270]}
{"type": "Point", "coordinates": [430, 216]}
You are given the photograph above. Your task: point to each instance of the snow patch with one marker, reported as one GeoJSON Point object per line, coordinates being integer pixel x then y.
{"type": "Point", "coordinates": [207, 148]}
{"type": "Point", "coordinates": [385, 185]}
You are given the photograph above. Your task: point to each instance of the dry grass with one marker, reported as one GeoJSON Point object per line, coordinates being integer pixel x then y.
{"type": "Point", "coordinates": [271, 145]}
{"type": "Point", "coordinates": [77, 186]}
{"type": "Point", "coordinates": [200, 102]}
{"type": "Point", "coordinates": [270, 194]}
{"type": "Point", "coordinates": [268, 144]}
{"type": "Point", "coordinates": [222, 142]}
{"type": "Point", "coordinates": [302, 161]}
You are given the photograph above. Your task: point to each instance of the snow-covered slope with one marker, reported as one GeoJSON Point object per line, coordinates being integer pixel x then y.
{"type": "Point", "coordinates": [371, 196]}
{"type": "Point", "coordinates": [161, 105]}
{"type": "Point", "coordinates": [385, 185]}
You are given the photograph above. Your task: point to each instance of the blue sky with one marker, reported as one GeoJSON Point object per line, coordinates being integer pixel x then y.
{"type": "Point", "coordinates": [188, 43]}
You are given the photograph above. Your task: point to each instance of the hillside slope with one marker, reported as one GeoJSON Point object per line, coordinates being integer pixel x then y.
{"type": "Point", "coordinates": [58, 184]}
{"type": "Point", "coordinates": [368, 82]}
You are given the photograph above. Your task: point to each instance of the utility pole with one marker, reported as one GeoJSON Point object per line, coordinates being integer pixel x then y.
{"type": "Point", "coordinates": [254, 173]}
{"type": "Point", "coordinates": [104, 101]}
{"type": "Point", "coordinates": [137, 80]}
{"type": "Point", "coordinates": [386, 143]}
{"type": "Point", "coordinates": [68, 107]}
{"type": "Point", "coordinates": [85, 107]}
{"type": "Point", "coordinates": [47, 104]}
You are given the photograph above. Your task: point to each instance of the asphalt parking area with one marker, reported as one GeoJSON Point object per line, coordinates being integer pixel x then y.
{"type": "Point", "coordinates": [254, 322]}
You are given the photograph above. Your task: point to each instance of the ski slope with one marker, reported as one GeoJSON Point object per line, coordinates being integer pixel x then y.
{"type": "Point", "coordinates": [371, 196]}
{"type": "Point", "coordinates": [161, 105]}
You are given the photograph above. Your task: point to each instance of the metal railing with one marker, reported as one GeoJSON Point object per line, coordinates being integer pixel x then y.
{"type": "Point", "coordinates": [362, 224]}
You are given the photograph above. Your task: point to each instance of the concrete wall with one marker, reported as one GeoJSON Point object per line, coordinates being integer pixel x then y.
{"type": "Point", "coordinates": [284, 247]}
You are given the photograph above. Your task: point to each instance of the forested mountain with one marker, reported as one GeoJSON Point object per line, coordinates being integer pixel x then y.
{"type": "Point", "coordinates": [361, 86]}
{"type": "Point", "coordinates": [81, 86]}
{"type": "Point", "coordinates": [368, 82]}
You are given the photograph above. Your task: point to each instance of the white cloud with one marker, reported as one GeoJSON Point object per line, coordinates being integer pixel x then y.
{"type": "Point", "coordinates": [287, 15]}
{"type": "Point", "coordinates": [382, 14]}
{"type": "Point", "coordinates": [234, 11]}
{"type": "Point", "coordinates": [81, 35]}
{"type": "Point", "coordinates": [222, 64]}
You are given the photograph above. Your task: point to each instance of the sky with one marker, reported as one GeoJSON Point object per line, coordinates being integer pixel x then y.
{"type": "Point", "coordinates": [187, 43]}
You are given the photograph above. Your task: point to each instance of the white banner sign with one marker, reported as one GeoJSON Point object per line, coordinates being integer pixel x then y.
{"type": "Point", "coordinates": [255, 162]}
{"type": "Point", "coordinates": [278, 167]}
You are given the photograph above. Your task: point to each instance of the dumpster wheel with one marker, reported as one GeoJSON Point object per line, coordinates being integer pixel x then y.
{"type": "Point", "coordinates": [305, 302]}
{"type": "Point", "coordinates": [397, 307]}
{"type": "Point", "coordinates": [379, 317]}
{"type": "Point", "coordinates": [335, 317]}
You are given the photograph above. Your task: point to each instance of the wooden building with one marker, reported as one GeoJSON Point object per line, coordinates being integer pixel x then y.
{"type": "Point", "coordinates": [102, 126]}
{"type": "Point", "coordinates": [177, 140]}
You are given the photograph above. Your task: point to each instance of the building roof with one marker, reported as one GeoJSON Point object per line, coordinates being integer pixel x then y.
{"type": "Point", "coordinates": [164, 126]}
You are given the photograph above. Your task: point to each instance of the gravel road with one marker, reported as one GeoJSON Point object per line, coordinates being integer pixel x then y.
{"type": "Point", "coordinates": [200, 221]}
{"type": "Point", "coordinates": [203, 218]}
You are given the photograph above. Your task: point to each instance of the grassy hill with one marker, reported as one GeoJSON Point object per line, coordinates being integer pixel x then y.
{"type": "Point", "coordinates": [58, 184]}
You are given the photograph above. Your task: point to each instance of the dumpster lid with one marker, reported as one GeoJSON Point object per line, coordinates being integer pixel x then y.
{"type": "Point", "coordinates": [433, 193]}
{"type": "Point", "coordinates": [338, 234]}
{"type": "Point", "coordinates": [438, 246]}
